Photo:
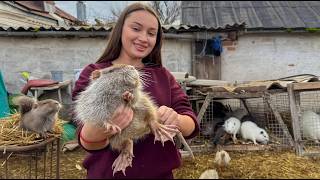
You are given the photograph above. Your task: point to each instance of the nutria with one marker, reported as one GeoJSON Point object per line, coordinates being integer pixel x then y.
{"type": "Point", "coordinates": [108, 89]}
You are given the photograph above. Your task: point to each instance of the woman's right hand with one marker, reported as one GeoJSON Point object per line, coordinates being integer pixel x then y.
{"type": "Point", "coordinates": [93, 137]}
{"type": "Point", "coordinates": [121, 118]}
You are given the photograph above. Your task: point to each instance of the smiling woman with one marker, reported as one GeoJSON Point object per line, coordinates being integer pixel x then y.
{"type": "Point", "coordinates": [136, 40]}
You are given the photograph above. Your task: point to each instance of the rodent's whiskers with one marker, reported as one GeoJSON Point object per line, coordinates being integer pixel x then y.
{"type": "Point", "coordinates": [146, 79]}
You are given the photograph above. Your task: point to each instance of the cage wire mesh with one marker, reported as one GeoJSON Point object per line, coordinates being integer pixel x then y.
{"type": "Point", "coordinates": [40, 162]}
{"type": "Point", "coordinates": [262, 113]}
{"type": "Point", "coordinates": [309, 121]}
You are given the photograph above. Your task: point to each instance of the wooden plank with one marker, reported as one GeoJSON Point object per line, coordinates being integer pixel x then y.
{"type": "Point", "coordinates": [204, 107]}
{"type": "Point", "coordinates": [230, 95]}
{"type": "Point", "coordinates": [295, 119]}
{"type": "Point", "coordinates": [250, 89]}
{"type": "Point", "coordinates": [224, 95]}
{"type": "Point", "coordinates": [279, 119]}
{"type": "Point", "coordinates": [245, 147]}
{"type": "Point", "coordinates": [306, 85]}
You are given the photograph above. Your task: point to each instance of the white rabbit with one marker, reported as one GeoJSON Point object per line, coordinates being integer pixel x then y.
{"type": "Point", "coordinates": [311, 125]}
{"type": "Point", "coordinates": [250, 130]}
{"type": "Point", "coordinates": [232, 126]}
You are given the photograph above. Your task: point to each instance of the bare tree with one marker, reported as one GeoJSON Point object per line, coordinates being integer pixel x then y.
{"type": "Point", "coordinates": [168, 11]}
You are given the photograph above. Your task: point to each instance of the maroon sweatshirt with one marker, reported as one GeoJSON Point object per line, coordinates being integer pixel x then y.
{"type": "Point", "coordinates": [150, 160]}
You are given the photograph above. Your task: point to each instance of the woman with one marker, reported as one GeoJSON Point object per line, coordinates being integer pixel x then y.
{"type": "Point", "coordinates": [136, 40]}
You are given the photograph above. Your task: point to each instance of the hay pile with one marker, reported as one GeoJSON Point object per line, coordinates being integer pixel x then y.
{"type": "Point", "coordinates": [253, 164]}
{"type": "Point", "coordinates": [11, 134]}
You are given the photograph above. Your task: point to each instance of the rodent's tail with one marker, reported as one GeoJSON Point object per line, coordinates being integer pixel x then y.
{"type": "Point", "coordinates": [25, 103]}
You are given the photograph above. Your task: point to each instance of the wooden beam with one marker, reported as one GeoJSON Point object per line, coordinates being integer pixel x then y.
{"type": "Point", "coordinates": [204, 107]}
{"type": "Point", "coordinates": [306, 86]}
{"type": "Point", "coordinates": [293, 101]}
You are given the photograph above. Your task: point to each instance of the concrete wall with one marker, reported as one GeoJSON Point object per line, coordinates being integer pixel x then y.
{"type": "Point", "coordinates": [42, 55]}
{"type": "Point", "coordinates": [271, 56]}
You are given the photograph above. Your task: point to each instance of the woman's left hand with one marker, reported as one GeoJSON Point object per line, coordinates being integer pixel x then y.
{"type": "Point", "coordinates": [168, 116]}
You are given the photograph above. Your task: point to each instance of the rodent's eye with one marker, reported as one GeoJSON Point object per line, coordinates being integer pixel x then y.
{"type": "Point", "coordinates": [261, 132]}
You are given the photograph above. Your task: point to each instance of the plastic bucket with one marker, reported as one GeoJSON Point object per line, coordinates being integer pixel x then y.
{"type": "Point", "coordinates": [57, 75]}
{"type": "Point", "coordinates": [77, 73]}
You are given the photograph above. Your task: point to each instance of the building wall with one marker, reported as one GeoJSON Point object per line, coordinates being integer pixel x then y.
{"type": "Point", "coordinates": [14, 17]}
{"type": "Point", "coordinates": [271, 56]}
{"type": "Point", "coordinates": [42, 55]}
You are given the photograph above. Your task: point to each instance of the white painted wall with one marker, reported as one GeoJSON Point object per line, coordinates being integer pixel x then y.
{"type": "Point", "coordinates": [271, 56]}
{"type": "Point", "coordinates": [42, 55]}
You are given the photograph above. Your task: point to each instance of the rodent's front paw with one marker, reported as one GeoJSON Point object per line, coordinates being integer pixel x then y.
{"type": "Point", "coordinates": [95, 74]}
{"type": "Point", "coordinates": [127, 96]}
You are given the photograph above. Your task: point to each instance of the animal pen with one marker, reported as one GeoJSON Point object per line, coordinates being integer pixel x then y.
{"type": "Point", "coordinates": [36, 161]}
{"type": "Point", "coordinates": [267, 102]}
{"type": "Point", "coordinates": [305, 97]}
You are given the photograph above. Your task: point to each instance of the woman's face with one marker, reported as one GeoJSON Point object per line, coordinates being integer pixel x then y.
{"type": "Point", "coordinates": [139, 34]}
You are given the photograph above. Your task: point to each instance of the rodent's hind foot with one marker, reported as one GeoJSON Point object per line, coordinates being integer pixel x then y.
{"type": "Point", "coordinates": [124, 159]}
{"type": "Point", "coordinates": [163, 132]}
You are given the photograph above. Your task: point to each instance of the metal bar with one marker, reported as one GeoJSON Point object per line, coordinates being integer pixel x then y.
{"type": "Point", "coordinates": [44, 162]}
{"type": "Point", "coordinates": [36, 166]}
{"type": "Point", "coordinates": [58, 159]}
{"type": "Point", "coordinates": [30, 169]}
{"type": "Point", "coordinates": [6, 165]}
{"type": "Point", "coordinates": [51, 159]}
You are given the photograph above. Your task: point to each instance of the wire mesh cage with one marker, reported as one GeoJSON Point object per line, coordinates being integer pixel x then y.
{"type": "Point", "coordinates": [269, 111]}
{"type": "Point", "coordinates": [38, 161]}
{"type": "Point", "coordinates": [305, 109]}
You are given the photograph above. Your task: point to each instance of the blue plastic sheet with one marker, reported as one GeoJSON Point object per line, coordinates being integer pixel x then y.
{"type": "Point", "coordinates": [4, 105]}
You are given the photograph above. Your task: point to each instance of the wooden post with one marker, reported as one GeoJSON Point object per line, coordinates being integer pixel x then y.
{"type": "Point", "coordinates": [204, 107]}
{"type": "Point", "coordinates": [295, 110]}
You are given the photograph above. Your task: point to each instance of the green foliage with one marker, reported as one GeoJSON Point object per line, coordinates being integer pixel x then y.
{"type": "Point", "coordinates": [289, 30]}
{"type": "Point", "coordinates": [313, 30]}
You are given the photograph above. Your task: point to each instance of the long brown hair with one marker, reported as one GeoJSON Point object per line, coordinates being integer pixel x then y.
{"type": "Point", "coordinates": [114, 46]}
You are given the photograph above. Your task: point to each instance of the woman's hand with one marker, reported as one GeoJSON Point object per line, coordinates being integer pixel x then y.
{"type": "Point", "coordinates": [169, 116]}
{"type": "Point", "coordinates": [120, 119]}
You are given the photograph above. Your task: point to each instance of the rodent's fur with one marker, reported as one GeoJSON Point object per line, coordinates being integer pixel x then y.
{"type": "Point", "coordinates": [37, 116]}
{"type": "Point", "coordinates": [250, 130]}
{"type": "Point", "coordinates": [97, 103]}
{"type": "Point", "coordinates": [103, 95]}
{"type": "Point", "coordinates": [232, 126]}
{"type": "Point", "coordinates": [310, 125]}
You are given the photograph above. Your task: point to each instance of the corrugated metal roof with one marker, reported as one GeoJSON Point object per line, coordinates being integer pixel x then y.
{"type": "Point", "coordinates": [256, 14]}
{"type": "Point", "coordinates": [166, 28]}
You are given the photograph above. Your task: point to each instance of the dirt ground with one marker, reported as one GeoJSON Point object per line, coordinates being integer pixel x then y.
{"type": "Point", "coordinates": [253, 164]}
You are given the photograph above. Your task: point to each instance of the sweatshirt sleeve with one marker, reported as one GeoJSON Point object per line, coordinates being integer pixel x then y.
{"type": "Point", "coordinates": [83, 80]}
{"type": "Point", "coordinates": [181, 104]}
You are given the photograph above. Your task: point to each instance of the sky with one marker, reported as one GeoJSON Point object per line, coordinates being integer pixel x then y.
{"type": "Point", "coordinates": [95, 9]}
